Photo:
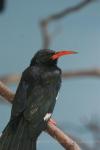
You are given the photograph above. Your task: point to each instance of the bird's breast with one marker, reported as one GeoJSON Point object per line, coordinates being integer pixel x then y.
{"type": "Point", "coordinates": [51, 80]}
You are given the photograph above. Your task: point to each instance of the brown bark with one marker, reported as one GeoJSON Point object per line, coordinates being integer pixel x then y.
{"type": "Point", "coordinates": [13, 78]}
{"type": "Point", "coordinates": [52, 130]}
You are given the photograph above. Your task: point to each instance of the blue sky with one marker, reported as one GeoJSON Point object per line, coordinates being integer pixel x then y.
{"type": "Point", "coordinates": [20, 38]}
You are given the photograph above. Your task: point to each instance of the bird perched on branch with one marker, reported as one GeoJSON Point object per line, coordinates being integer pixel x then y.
{"type": "Point", "coordinates": [34, 101]}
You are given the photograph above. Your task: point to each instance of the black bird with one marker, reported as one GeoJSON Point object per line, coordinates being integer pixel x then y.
{"type": "Point", "coordinates": [34, 101]}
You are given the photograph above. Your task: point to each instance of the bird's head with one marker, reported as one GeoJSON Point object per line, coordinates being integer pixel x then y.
{"type": "Point", "coordinates": [48, 57]}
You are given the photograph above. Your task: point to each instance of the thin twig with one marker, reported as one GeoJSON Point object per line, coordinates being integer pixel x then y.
{"type": "Point", "coordinates": [45, 22]}
{"type": "Point", "coordinates": [81, 73]}
{"type": "Point", "coordinates": [10, 78]}
{"type": "Point", "coordinates": [6, 93]}
{"type": "Point", "coordinates": [14, 78]}
{"type": "Point", "coordinates": [52, 130]}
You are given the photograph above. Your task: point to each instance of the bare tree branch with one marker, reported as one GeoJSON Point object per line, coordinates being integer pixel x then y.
{"type": "Point", "coordinates": [82, 73]}
{"type": "Point", "coordinates": [52, 130]}
{"type": "Point", "coordinates": [63, 139]}
{"type": "Point", "coordinates": [10, 78]}
{"type": "Point", "coordinates": [44, 23]}
{"type": "Point", "coordinates": [93, 125]}
{"type": "Point", "coordinates": [2, 5]}
{"type": "Point", "coordinates": [5, 92]}
{"type": "Point", "coordinates": [14, 78]}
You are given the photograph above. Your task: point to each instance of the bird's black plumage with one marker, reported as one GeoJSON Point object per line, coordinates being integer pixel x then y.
{"type": "Point", "coordinates": [35, 97]}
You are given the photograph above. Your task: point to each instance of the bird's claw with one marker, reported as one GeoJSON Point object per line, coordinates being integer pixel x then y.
{"type": "Point", "coordinates": [52, 121]}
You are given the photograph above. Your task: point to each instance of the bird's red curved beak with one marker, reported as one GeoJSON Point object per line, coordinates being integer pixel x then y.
{"type": "Point", "coordinates": [61, 53]}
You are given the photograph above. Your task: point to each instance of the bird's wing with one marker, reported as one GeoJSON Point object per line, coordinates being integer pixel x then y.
{"type": "Point", "coordinates": [19, 102]}
{"type": "Point", "coordinates": [38, 103]}
{"type": "Point", "coordinates": [33, 99]}
{"type": "Point", "coordinates": [42, 97]}
{"type": "Point", "coordinates": [20, 99]}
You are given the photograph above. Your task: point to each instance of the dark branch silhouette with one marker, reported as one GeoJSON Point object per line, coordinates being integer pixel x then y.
{"type": "Point", "coordinates": [45, 22]}
{"type": "Point", "coordinates": [14, 78]}
{"type": "Point", "coordinates": [2, 5]}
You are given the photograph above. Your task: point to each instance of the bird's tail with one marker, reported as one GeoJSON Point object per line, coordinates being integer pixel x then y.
{"type": "Point", "coordinates": [18, 139]}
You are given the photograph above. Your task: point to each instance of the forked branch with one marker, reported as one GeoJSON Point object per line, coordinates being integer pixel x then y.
{"type": "Point", "coordinates": [57, 16]}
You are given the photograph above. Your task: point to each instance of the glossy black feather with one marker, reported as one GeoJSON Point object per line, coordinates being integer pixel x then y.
{"type": "Point", "coordinates": [35, 97]}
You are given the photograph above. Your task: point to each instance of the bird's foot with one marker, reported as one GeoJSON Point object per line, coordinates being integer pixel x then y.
{"type": "Point", "coordinates": [47, 118]}
{"type": "Point", "coordinates": [52, 121]}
